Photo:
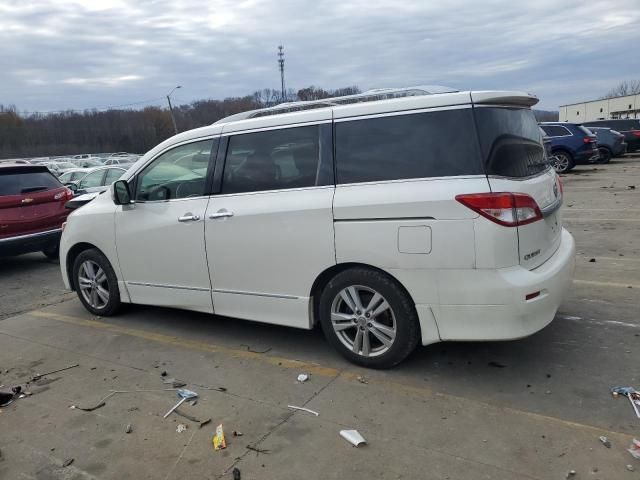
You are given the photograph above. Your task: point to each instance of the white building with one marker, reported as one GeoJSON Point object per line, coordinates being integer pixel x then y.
{"type": "Point", "coordinates": [617, 107]}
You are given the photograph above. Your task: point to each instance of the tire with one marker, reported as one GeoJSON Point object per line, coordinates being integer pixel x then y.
{"type": "Point", "coordinates": [605, 155]}
{"type": "Point", "coordinates": [389, 335]}
{"type": "Point", "coordinates": [97, 277]}
{"type": "Point", "coordinates": [563, 161]}
{"type": "Point", "coordinates": [53, 252]}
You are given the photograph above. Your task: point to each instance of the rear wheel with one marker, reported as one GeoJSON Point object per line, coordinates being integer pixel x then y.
{"type": "Point", "coordinates": [369, 318]}
{"type": "Point", "coordinates": [605, 155]}
{"type": "Point", "coordinates": [96, 283]}
{"type": "Point", "coordinates": [562, 162]}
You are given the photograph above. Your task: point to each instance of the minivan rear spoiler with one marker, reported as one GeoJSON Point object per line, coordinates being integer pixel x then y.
{"type": "Point", "coordinates": [494, 97]}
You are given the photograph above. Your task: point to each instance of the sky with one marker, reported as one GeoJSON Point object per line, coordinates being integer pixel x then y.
{"type": "Point", "coordinates": [77, 54]}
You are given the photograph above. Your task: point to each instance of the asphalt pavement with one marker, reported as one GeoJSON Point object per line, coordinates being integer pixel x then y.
{"type": "Point", "coordinates": [528, 409]}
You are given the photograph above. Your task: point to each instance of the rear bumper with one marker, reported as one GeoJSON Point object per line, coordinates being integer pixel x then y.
{"type": "Point", "coordinates": [33, 242]}
{"type": "Point", "coordinates": [587, 156]}
{"type": "Point", "coordinates": [620, 149]}
{"type": "Point", "coordinates": [510, 315]}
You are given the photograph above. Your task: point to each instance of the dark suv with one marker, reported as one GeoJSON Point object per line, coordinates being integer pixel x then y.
{"type": "Point", "coordinates": [630, 128]}
{"type": "Point", "coordinates": [31, 210]}
{"type": "Point", "coordinates": [610, 143]}
{"type": "Point", "coordinates": [571, 145]}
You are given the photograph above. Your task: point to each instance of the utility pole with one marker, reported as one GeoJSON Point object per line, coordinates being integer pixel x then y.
{"type": "Point", "coordinates": [281, 63]}
{"type": "Point", "coordinates": [173, 119]}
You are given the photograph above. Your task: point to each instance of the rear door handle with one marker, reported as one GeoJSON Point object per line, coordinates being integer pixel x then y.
{"type": "Point", "coordinates": [189, 217]}
{"type": "Point", "coordinates": [221, 214]}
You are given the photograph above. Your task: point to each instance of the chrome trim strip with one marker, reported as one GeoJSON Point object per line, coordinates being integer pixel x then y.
{"type": "Point", "coordinates": [31, 235]}
{"type": "Point", "coordinates": [177, 287]}
{"type": "Point", "coordinates": [378, 219]}
{"type": "Point", "coordinates": [280, 126]}
{"type": "Point", "coordinates": [549, 209]}
{"type": "Point", "coordinates": [396, 113]}
{"type": "Point", "coordinates": [254, 294]}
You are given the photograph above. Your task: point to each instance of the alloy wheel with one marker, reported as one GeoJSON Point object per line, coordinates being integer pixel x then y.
{"type": "Point", "coordinates": [560, 162]}
{"type": "Point", "coordinates": [363, 321]}
{"type": "Point", "coordinates": [93, 284]}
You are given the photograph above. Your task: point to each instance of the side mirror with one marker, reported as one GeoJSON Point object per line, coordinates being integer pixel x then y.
{"type": "Point", "coordinates": [73, 186]}
{"type": "Point", "coordinates": [121, 193]}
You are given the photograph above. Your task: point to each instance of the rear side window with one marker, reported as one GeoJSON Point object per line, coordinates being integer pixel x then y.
{"type": "Point", "coordinates": [275, 159]}
{"type": "Point", "coordinates": [418, 145]}
{"type": "Point", "coordinates": [511, 141]}
{"type": "Point", "coordinates": [28, 182]}
{"type": "Point", "coordinates": [585, 130]}
{"type": "Point", "coordinates": [555, 131]}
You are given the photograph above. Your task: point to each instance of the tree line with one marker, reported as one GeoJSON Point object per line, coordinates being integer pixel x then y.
{"type": "Point", "coordinates": [136, 131]}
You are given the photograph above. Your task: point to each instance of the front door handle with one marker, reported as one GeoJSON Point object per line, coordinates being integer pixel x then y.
{"type": "Point", "coordinates": [189, 217]}
{"type": "Point", "coordinates": [221, 214]}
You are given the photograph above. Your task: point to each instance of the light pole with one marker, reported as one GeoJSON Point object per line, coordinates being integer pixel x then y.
{"type": "Point", "coordinates": [173, 119]}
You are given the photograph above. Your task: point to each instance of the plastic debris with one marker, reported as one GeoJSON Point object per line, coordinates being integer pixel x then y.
{"type": "Point", "coordinates": [218, 440]}
{"type": "Point", "coordinates": [5, 399]}
{"type": "Point", "coordinates": [128, 428]}
{"type": "Point", "coordinates": [362, 379]}
{"type": "Point", "coordinates": [571, 473]}
{"type": "Point", "coordinates": [353, 437]}
{"type": "Point", "coordinates": [605, 441]}
{"type": "Point", "coordinates": [249, 349]}
{"type": "Point", "coordinates": [184, 395]}
{"type": "Point", "coordinates": [630, 468]}
{"type": "Point", "coordinates": [496, 364]}
{"type": "Point", "coordinates": [181, 428]}
{"type": "Point", "coordinates": [236, 474]}
{"type": "Point", "coordinates": [237, 434]}
{"type": "Point", "coordinates": [173, 382]}
{"type": "Point", "coordinates": [303, 377]}
{"type": "Point", "coordinates": [303, 409]}
{"type": "Point", "coordinates": [632, 395]}
{"type": "Point", "coordinates": [68, 462]}
{"type": "Point", "coordinates": [634, 449]}
{"type": "Point", "coordinates": [40, 375]}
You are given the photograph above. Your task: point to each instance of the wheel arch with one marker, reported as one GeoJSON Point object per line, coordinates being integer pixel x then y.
{"type": "Point", "coordinates": [325, 277]}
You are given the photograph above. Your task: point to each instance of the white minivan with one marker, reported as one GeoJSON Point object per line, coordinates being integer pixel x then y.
{"type": "Point", "coordinates": [391, 218]}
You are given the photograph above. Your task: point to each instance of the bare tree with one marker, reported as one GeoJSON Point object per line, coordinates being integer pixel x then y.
{"type": "Point", "coordinates": [630, 87]}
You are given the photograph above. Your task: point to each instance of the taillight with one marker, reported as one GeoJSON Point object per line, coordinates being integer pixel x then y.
{"type": "Point", "coordinates": [589, 140]}
{"type": "Point", "coordinates": [635, 133]}
{"type": "Point", "coordinates": [560, 185]}
{"type": "Point", "coordinates": [507, 209]}
{"type": "Point", "coordinates": [69, 193]}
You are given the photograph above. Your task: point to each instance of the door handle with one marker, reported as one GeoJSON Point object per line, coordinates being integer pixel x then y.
{"type": "Point", "coordinates": [189, 217]}
{"type": "Point", "coordinates": [221, 214]}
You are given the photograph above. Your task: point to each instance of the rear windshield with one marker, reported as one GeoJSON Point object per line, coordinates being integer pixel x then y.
{"type": "Point", "coordinates": [510, 141]}
{"type": "Point", "coordinates": [28, 182]}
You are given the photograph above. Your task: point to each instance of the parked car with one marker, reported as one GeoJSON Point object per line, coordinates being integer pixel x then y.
{"type": "Point", "coordinates": [409, 234]}
{"type": "Point", "coordinates": [86, 162]}
{"type": "Point", "coordinates": [58, 168]}
{"type": "Point", "coordinates": [74, 175]}
{"type": "Point", "coordinates": [81, 200]}
{"type": "Point", "coordinates": [630, 128]}
{"type": "Point", "coordinates": [97, 180]}
{"type": "Point", "coordinates": [571, 145]}
{"type": "Point", "coordinates": [120, 161]}
{"type": "Point", "coordinates": [32, 210]}
{"type": "Point", "coordinates": [610, 143]}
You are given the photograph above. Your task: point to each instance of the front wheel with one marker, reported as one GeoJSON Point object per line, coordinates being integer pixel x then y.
{"type": "Point", "coordinates": [605, 155]}
{"type": "Point", "coordinates": [562, 162]}
{"type": "Point", "coordinates": [96, 283]}
{"type": "Point", "coordinates": [369, 318]}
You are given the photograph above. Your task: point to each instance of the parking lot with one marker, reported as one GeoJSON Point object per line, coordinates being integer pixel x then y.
{"type": "Point", "coordinates": [527, 409]}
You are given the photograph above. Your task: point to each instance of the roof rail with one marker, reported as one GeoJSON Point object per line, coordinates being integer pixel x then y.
{"type": "Point", "coordinates": [368, 96]}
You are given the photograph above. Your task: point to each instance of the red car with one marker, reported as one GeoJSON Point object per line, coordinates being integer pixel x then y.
{"type": "Point", "coordinates": [31, 210]}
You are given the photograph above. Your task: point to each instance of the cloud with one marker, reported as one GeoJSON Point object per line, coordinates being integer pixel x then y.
{"type": "Point", "coordinates": [75, 53]}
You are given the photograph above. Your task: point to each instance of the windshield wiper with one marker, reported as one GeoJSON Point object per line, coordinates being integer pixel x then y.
{"type": "Point", "coordinates": [33, 189]}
